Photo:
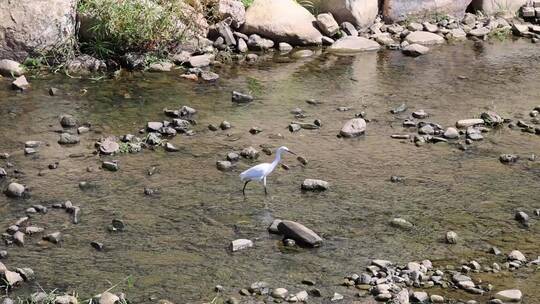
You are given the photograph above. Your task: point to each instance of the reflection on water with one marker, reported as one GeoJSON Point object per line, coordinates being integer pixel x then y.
{"type": "Point", "coordinates": [175, 245]}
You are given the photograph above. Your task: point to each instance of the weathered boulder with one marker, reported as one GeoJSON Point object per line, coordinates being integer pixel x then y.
{"type": "Point", "coordinates": [10, 67]}
{"type": "Point", "coordinates": [300, 233]}
{"type": "Point", "coordinates": [361, 13]}
{"type": "Point", "coordinates": [327, 24]}
{"type": "Point", "coordinates": [354, 127]}
{"type": "Point", "coordinates": [282, 21]}
{"type": "Point", "coordinates": [492, 7]}
{"type": "Point", "coordinates": [31, 27]}
{"type": "Point", "coordinates": [509, 296]}
{"type": "Point", "coordinates": [234, 10]}
{"type": "Point", "coordinates": [424, 38]}
{"type": "Point", "coordinates": [400, 10]}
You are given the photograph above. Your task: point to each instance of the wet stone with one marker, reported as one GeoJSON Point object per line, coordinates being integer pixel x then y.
{"type": "Point", "coordinates": [225, 125]}
{"type": "Point", "coordinates": [401, 223]}
{"type": "Point", "coordinates": [110, 165]}
{"type": "Point", "coordinates": [118, 225]}
{"type": "Point", "coordinates": [54, 237]}
{"type": "Point", "coordinates": [97, 245]}
{"type": "Point", "coordinates": [241, 244]}
{"type": "Point", "coordinates": [451, 237]}
{"type": "Point", "coordinates": [238, 97]}
{"type": "Point", "coordinates": [508, 158]}
{"type": "Point", "coordinates": [224, 165]}
{"type": "Point", "coordinates": [250, 153]}
{"type": "Point", "coordinates": [68, 139]}
{"type": "Point", "coordinates": [15, 190]}
{"type": "Point", "coordinates": [26, 273]}
{"type": "Point", "coordinates": [68, 121]}
{"type": "Point", "coordinates": [299, 233]}
{"type": "Point", "coordinates": [315, 185]}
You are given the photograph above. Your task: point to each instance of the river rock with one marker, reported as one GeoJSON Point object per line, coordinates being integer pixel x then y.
{"type": "Point", "coordinates": [33, 230]}
{"type": "Point", "coordinates": [12, 278]}
{"type": "Point", "coordinates": [200, 61]}
{"type": "Point", "coordinates": [250, 153]}
{"type": "Point", "coordinates": [401, 223]}
{"type": "Point", "coordinates": [66, 299]}
{"type": "Point", "coordinates": [18, 238]}
{"type": "Point", "coordinates": [451, 133]}
{"type": "Point", "coordinates": [15, 190]}
{"type": "Point", "coordinates": [315, 185]}
{"type": "Point", "coordinates": [451, 237]}
{"type": "Point", "coordinates": [26, 273]}
{"type": "Point", "coordinates": [465, 123]}
{"type": "Point", "coordinates": [491, 118]}
{"type": "Point", "coordinates": [432, 28]}
{"type": "Point", "coordinates": [419, 296]}
{"type": "Point", "coordinates": [11, 68]}
{"type": "Point", "coordinates": [8, 301]}
{"type": "Point", "coordinates": [479, 32]}
{"type": "Point", "coordinates": [280, 293]}
{"type": "Point", "coordinates": [241, 244]}
{"type": "Point", "coordinates": [302, 54]}
{"type": "Point", "coordinates": [401, 10]}
{"type": "Point", "coordinates": [3, 172]}
{"type": "Point", "coordinates": [164, 66]}
{"type": "Point", "coordinates": [109, 146]}
{"type": "Point", "coordinates": [68, 139]}
{"type": "Point", "coordinates": [424, 38]}
{"type": "Point", "coordinates": [522, 217]}
{"type": "Point", "coordinates": [232, 10]}
{"type": "Point", "coordinates": [300, 233]}
{"type": "Point", "coordinates": [36, 27]}
{"type": "Point", "coordinates": [223, 165]}
{"type": "Point", "coordinates": [54, 237]}
{"type": "Point", "coordinates": [509, 296]}
{"type": "Point", "coordinates": [516, 255]}
{"type": "Point", "coordinates": [282, 20]}
{"type": "Point", "coordinates": [349, 29]}
{"type": "Point", "coordinates": [436, 299]}
{"type": "Point", "coordinates": [85, 64]}
{"type": "Point", "coordinates": [108, 298]}
{"type": "Point", "coordinates": [327, 24]}
{"type": "Point", "coordinates": [415, 50]}
{"type": "Point", "coordinates": [284, 47]}
{"type": "Point", "coordinates": [273, 228]}
{"type": "Point", "coordinates": [257, 43]}
{"type": "Point", "coordinates": [110, 165]}
{"type": "Point", "coordinates": [20, 83]}
{"type": "Point", "coordinates": [353, 44]}
{"type": "Point", "coordinates": [238, 97]}
{"type": "Point", "coordinates": [354, 127]}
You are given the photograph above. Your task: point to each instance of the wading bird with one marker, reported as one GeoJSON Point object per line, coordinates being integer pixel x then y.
{"type": "Point", "coordinates": [261, 171]}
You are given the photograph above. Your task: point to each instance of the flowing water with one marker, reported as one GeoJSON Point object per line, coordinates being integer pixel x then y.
{"type": "Point", "coordinates": [176, 243]}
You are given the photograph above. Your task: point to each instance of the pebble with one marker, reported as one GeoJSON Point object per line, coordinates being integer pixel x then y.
{"type": "Point", "coordinates": [336, 297]}
{"type": "Point", "coordinates": [97, 245]}
{"type": "Point", "coordinates": [110, 165]}
{"type": "Point", "coordinates": [68, 121]}
{"type": "Point", "coordinates": [420, 114]}
{"type": "Point", "coordinates": [451, 237]}
{"type": "Point", "coordinates": [299, 233]}
{"type": "Point", "coordinates": [315, 185]}
{"type": "Point", "coordinates": [68, 139]}
{"type": "Point", "coordinates": [401, 223]}
{"type": "Point", "coordinates": [238, 97]}
{"type": "Point", "coordinates": [508, 158]}
{"type": "Point", "coordinates": [250, 153]}
{"type": "Point", "coordinates": [225, 125]}
{"type": "Point", "coordinates": [280, 293]}
{"type": "Point", "coordinates": [522, 217]}
{"type": "Point", "coordinates": [224, 165]}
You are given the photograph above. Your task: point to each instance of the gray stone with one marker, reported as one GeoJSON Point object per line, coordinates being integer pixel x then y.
{"type": "Point", "coordinates": [242, 46]}
{"type": "Point", "coordinates": [284, 47]}
{"type": "Point", "coordinates": [327, 24]}
{"type": "Point", "coordinates": [85, 64]}
{"type": "Point", "coordinates": [257, 43]}
{"type": "Point", "coordinates": [11, 68]}
{"type": "Point", "coordinates": [250, 153]}
{"type": "Point", "coordinates": [108, 298]}
{"type": "Point", "coordinates": [18, 238]}
{"type": "Point", "coordinates": [415, 50]}
{"type": "Point", "coordinates": [451, 133]}
{"type": "Point", "coordinates": [516, 255]}
{"type": "Point", "coordinates": [424, 38]}
{"type": "Point", "coordinates": [315, 185]}
{"type": "Point", "coordinates": [223, 165]}
{"type": "Point", "coordinates": [300, 233]}
{"type": "Point", "coordinates": [226, 32]}
{"type": "Point", "coordinates": [200, 61]}
{"type": "Point", "coordinates": [349, 29]}
{"type": "Point", "coordinates": [160, 67]}
{"type": "Point", "coordinates": [110, 166]}
{"type": "Point", "coordinates": [66, 299]}
{"type": "Point", "coordinates": [353, 44]}
{"type": "Point", "coordinates": [465, 123]}
{"type": "Point", "coordinates": [280, 293]}
{"type": "Point", "coordinates": [282, 20]}
{"type": "Point", "coordinates": [361, 13]}
{"type": "Point", "coordinates": [12, 278]}
{"type": "Point", "coordinates": [510, 295]}
{"type": "Point", "coordinates": [241, 244]}
{"type": "Point", "coordinates": [401, 223]}
{"type": "Point", "coordinates": [68, 139]}
{"type": "Point", "coordinates": [432, 28]}
{"type": "Point", "coordinates": [401, 10]}
{"type": "Point", "coordinates": [232, 10]}
{"type": "Point", "coordinates": [353, 128]}
{"type": "Point", "coordinates": [451, 237]}
{"type": "Point", "coordinates": [415, 26]}
{"type": "Point", "coordinates": [15, 190]}
{"type": "Point", "coordinates": [479, 32]}
{"type": "Point", "coordinates": [238, 97]}
{"type": "Point", "coordinates": [20, 83]}
{"type": "Point", "coordinates": [54, 237]}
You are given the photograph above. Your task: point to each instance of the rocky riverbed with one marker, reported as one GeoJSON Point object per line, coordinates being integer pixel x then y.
{"type": "Point", "coordinates": [167, 218]}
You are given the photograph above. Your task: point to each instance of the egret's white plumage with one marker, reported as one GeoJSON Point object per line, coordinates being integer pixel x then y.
{"type": "Point", "coordinates": [261, 171]}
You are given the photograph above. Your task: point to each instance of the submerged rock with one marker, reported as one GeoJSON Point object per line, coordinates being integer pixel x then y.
{"type": "Point", "coordinates": [300, 233]}
{"type": "Point", "coordinates": [20, 83]}
{"type": "Point", "coordinates": [353, 44]}
{"type": "Point", "coordinates": [241, 97]}
{"type": "Point", "coordinates": [223, 165]}
{"type": "Point", "coordinates": [424, 38]}
{"type": "Point", "coordinates": [415, 50]}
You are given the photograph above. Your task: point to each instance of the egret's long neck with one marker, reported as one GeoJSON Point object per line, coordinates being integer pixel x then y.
{"type": "Point", "coordinates": [276, 160]}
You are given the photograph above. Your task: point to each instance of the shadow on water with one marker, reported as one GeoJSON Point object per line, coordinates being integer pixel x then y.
{"type": "Point", "coordinates": [175, 244]}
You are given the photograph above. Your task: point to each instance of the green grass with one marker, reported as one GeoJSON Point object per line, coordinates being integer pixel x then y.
{"type": "Point", "coordinates": [500, 34]}
{"type": "Point", "coordinates": [247, 3]}
{"type": "Point", "coordinates": [133, 25]}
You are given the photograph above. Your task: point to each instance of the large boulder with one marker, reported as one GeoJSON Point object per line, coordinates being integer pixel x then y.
{"type": "Point", "coordinates": [32, 27]}
{"type": "Point", "coordinates": [282, 21]}
{"type": "Point", "coordinates": [234, 10]}
{"type": "Point", "coordinates": [400, 10]}
{"type": "Point", "coordinates": [361, 13]}
{"type": "Point", "coordinates": [492, 7]}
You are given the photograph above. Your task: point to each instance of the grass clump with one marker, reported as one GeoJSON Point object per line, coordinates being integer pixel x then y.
{"type": "Point", "coordinates": [110, 27]}
{"type": "Point", "coordinates": [500, 34]}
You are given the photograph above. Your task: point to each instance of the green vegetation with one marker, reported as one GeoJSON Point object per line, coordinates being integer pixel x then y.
{"type": "Point", "coordinates": [500, 33]}
{"type": "Point", "coordinates": [116, 27]}
{"type": "Point", "coordinates": [247, 3]}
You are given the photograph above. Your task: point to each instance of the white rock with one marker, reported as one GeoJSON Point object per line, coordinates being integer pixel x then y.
{"type": "Point", "coordinates": [415, 50]}
{"type": "Point", "coordinates": [516, 255]}
{"type": "Point", "coordinates": [241, 244]}
{"type": "Point", "coordinates": [361, 13]}
{"type": "Point", "coordinates": [465, 123]}
{"type": "Point", "coordinates": [424, 38]}
{"type": "Point", "coordinates": [351, 44]}
{"type": "Point", "coordinates": [327, 24]}
{"type": "Point", "coordinates": [10, 67]}
{"type": "Point", "coordinates": [510, 295]}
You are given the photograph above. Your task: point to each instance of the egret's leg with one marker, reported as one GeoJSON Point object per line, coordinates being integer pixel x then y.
{"type": "Point", "coordinates": [244, 189]}
{"type": "Point", "coordinates": [264, 183]}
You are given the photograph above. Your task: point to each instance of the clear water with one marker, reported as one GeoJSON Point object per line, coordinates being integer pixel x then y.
{"type": "Point", "coordinates": [175, 246]}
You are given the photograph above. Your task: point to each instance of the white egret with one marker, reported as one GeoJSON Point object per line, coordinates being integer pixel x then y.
{"type": "Point", "coordinates": [261, 171]}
